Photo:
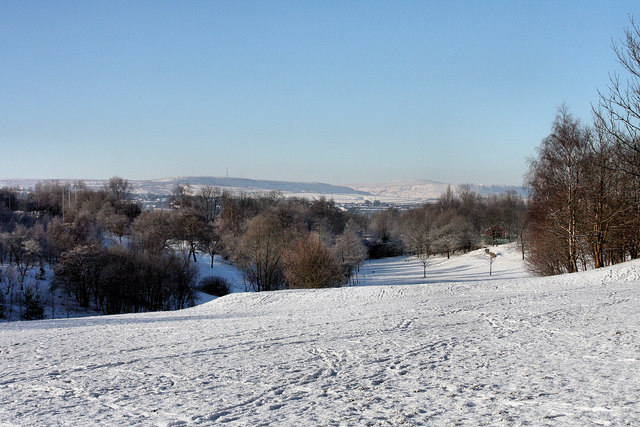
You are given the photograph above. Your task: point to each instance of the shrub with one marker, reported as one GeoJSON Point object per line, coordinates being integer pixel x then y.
{"type": "Point", "coordinates": [33, 306]}
{"type": "Point", "coordinates": [214, 285]}
{"type": "Point", "coordinates": [310, 264]}
{"type": "Point", "coordinates": [121, 281]}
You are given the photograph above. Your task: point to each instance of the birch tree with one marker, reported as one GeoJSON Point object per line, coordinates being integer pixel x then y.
{"type": "Point", "coordinates": [556, 179]}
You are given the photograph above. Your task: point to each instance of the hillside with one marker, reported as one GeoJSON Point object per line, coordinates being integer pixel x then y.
{"type": "Point", "coordinates": [422, 189]}
{"type": "Point", "coordinates": [393, 192]}
{"type": "Point", "coordinates": [506, 351]}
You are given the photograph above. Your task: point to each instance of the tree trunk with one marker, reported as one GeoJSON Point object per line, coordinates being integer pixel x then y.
{"type": "Point", "coordinates": [193, 252]}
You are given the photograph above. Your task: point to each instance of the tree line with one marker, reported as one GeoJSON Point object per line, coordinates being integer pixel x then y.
{"type": "Point", "coordinates": [108, 254]}
{"type": "Point", "coordinates": [585, 192]}
{"type": "Point", "coordinates": [457, 222]}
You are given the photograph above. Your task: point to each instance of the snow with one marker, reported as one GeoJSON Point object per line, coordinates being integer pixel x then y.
{"type": "Point", "coordinates": [491, 350]}
{"type": "Point", "coordinates": [221, 268]}
{"type": "Point", "coordinates": [470, 267]}
{"type": "Point", "coordinates": [420, 190]}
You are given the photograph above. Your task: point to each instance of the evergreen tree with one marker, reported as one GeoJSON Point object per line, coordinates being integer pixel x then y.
{"type": "Point", "coordinates": [32, 305]}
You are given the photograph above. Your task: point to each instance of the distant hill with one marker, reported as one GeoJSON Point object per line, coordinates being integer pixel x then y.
{"type": "Point", "coordinates": [423, 189]}
{"type": "Point", "coordinates": [164, 186]}
{"type": "Point", "coordinates": [413, 191]}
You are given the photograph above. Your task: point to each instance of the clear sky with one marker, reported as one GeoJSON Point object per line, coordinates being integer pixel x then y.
{"type": "Point", "coordinates": [332, 91]}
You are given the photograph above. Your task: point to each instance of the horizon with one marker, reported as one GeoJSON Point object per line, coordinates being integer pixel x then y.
{"type": "Point", "coordinates": [187, 177]}
{"type": "Point", "coordinates": [333, 92]}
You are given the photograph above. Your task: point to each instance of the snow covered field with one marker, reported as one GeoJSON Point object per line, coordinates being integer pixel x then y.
{"type": "Point", "coordinates": [470, 267]}
{"type": "Point", "coordinates": [499, 350]}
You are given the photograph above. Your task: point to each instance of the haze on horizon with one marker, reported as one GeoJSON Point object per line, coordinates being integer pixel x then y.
{"type": "Point", "coordinates": [335, 92]}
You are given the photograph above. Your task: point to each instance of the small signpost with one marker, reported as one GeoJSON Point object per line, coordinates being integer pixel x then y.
{"type": "Point", "coordinates": [492, 257]}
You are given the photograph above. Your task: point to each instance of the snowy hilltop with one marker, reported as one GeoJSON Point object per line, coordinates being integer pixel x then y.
{"type": "Point", "coordinates": [493, 350]}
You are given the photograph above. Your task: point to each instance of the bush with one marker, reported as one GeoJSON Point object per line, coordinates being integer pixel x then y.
{"type": "Point", "coordinates": [309, 264]}
{"type": "Point", "coordinates": [33, 305]}
{"type": "Point", "coordinates": [214, 285]}
{"type": "Point", "coordinates": [121, 281]}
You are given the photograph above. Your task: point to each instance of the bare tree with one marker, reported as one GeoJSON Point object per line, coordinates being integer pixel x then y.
{"type": "Point", "coordinates": [152, 231]}
{"type": "Point", "coordinates": [557, 180]}
{"type": "Point", "coordinates": [351, 253]}
{"type": "Point", "coordinates": [261, 251]}
{"type": "Point", "coordinates": [310, 264]}
{"type": "Point", "coordinates": [211, 241]}
{"type": "Point", "coordinates": [418, 235]}
{"type": "Point", "coordinates": [8, 286]}
{"type": "Point", "coordinates": [618, 112]}
{"type": "Point", "coordinates": [445, 238]}
{"type": "Point", "coordinates": [231, 226]}
{"type": "Point", "coordinates": [24, 250]}
{"type": "Point", "coordinates": [385, 229]}
{"type": "Point", "coordinates": [209, 202]}
{"type": "Point", "coordinates": [118, 187]}
{"type": "Point", "coordinates": [604, 203]}
{"type": "Point", "coordinates": [113, 222]}
{"type": "Point", "coordinates": [188, 228]}
{"type": "Point", "coordinates": [181, 196]}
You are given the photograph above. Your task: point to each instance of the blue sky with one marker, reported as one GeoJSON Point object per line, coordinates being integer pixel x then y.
{"type": "Point", "coordinates": [338, 92]}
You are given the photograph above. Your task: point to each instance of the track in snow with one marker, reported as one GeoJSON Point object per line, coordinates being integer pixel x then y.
{"type": "Point", "coordinates": [542, 351]}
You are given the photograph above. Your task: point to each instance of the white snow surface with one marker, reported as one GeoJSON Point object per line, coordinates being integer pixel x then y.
{"type": "Point", "coordinates": [470, 267]}
{"type": "Point", "coordinates": [420, 190]}
{"type": "Point", "coordinates": [501, 350]}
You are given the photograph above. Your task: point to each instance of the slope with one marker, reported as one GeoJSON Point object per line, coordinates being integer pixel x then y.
{"type": "Point", "coordinates": [502, 352]}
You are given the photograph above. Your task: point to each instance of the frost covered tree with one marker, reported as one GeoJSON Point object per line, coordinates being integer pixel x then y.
{"type": "Point", "coordinates": [418, 235]}
{"type": "Point", "coordinates": [445, 238]}
{"type": "Point", "coordinates": [24, 249]}
{"type": "Point", "coordinates": [351, 252]}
